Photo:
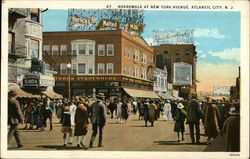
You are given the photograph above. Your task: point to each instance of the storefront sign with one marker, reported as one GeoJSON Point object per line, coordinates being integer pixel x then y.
{"type": "Point", "coordinates": [77, 20]}
{"type": "Point", "coordinates": [182, 73]}
{"type": "Point", "coordinates": [221, 90]}
{"type": "Point", "coordinates": [133, 27]}
{"type": "Point", "coordinates": [31, 82]}
{"type": "Point", "coordinates": [173, 37]}
{"type": "Point", "coordinates": [108, 24]}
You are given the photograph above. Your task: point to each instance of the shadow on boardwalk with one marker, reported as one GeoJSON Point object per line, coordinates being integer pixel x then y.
{"type": "Point", "coordinates": [176, 143]}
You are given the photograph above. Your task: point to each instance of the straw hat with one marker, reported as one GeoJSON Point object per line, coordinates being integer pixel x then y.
{"type": "Point", "coordinates": [180, 106]}
{"type": "Point", "coordinates": [100, 95]}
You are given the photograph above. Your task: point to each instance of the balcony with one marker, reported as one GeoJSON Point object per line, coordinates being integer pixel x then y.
{"type": "Point", "coordinates": [16, 51]}
{"type": "Point", "coordinates": [19, 12]}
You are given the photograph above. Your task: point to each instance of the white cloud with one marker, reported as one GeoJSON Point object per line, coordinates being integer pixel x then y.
{"type": "Point", "coordinates": [203, 56]}
{"type": "Point", "coordinates": [208, 32]}
{"type": "Point", "coordinates": [228, 54]}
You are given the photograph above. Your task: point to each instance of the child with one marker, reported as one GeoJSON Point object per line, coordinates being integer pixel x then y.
{"type": "Point", "coordinates": [179, 122]}
{"type": "Point", "coordinates": [66, 126]}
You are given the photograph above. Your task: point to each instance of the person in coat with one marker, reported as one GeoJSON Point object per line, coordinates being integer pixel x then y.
{"type": "Point", "coordinates": [15, 117]}
{"type": "Point", "coordinates": [81, 123]}
{"type": "Point", "coordinates": [119, 111]}
{"type": "Point", "coordinates": [66, 126]}
{"type": "Point", "coordinates": [98, 119]}
{"type": "Point", "coordinates": [231, 128]}
{"type": "Point", "coordinates": [112, 107]}
{"type": "Point", "coordinates": [149, 112]}
{"type": "Point", "coordinates": [179, 126]}
{"type": "Point", "coordinates": [211, 121]}
{"type": "Point", "coordinates": [194, 115]}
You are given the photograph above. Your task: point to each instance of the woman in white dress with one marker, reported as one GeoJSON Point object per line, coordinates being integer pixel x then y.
{"type": "Point", "coordinates": [167, 111]}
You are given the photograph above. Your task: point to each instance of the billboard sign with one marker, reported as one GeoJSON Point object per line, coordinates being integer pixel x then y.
{"type": "Point", "coordinates": [221, 90]}
{"type": "Point", "coordinates": [173, 37]}
{"type": "Point", "coordinates": [182, 73]}
{"type": "Point", "coordinates": [77, 20]}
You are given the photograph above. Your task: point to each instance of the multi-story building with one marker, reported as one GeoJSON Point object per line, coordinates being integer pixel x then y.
{"type": "Point", "coordinates": [160, 81]}
{"type": "Point", "coordinates": [24, 51]}
{"type": "Point", "coordinates": [112, 62]}
{"type": "Point", "coordinates": [171, 55]}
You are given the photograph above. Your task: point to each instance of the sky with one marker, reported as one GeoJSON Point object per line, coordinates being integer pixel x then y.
{"type": "Point", "coordinates": [216, 37]}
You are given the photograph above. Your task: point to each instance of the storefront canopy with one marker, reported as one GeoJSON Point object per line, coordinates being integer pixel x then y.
{"type": "Point", "coordinates": [22, 94]}
{"type": "Point", "coordinates": [168, 95]}
{"type": "Point", "coordinates": [161, 95]}
{"type": "Point", "coordinates": [140, 93]}
{"type": "Point", "coordinates": [52, 94]}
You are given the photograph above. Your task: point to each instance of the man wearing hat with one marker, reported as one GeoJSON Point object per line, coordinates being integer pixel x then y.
{"type": "Point", "coordinates": [98, 116]}
{"type": "Point", "coordinates": [14, 117]}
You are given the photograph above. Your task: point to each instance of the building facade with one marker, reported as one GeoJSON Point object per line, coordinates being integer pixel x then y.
{"type": "Point", "coordinates": [25, 50]}
{"type": "Point", "coordinates": [112, 62]}
{"type": "Point", "coordinates": [182, 55]}
{"type": "Point", "coordinates": [160, 83]}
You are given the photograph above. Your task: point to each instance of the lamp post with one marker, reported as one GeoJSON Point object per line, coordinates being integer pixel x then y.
{"type": "Point", "coordinates": [69, 73]}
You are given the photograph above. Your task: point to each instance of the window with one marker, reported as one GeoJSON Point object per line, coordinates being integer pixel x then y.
{"type": "Point", "coordinates": [63, 50]}
{"type": "Point", "coordinates": [136, 71]}
{"type": "Point", "coordinates": [55, 67]}
{"type": "Point", "coordinates": [81, 68]}
{"type": "Point", "coordinates": [177, 52]}
{"type": "Point", "coordinates": [162, 82]}
{"type": "Point", "coordinates": [63, 69]}
{"type": "Point", "coordinates": [110, 50]}
{"type": "Point", "coordinates": [74, 49]}
{"type": "Point", "coordinates": [158, 81]}
{"type": "Point", "coordinates": [47, 66]}
{"type": "Point", "coordinates": [91, 49]}
{"type": "Point", "coordinates": [34, 49]}
{"type": "Point", "coordinates": [74, 70]}
{"type": "Point", "coordinates": [177, 60]}
{"type": "Point", "coordinates": [110, 68]}
{"type": "Point", "coordinates": [101, 50]}
{"type": "Point", "coordinates": [125, 69]}
{"type": "Point", "coordinates": [136, 55]}
{"type": "Point", "coordinates": [128, 70]}
{"type": "Point", "coordinates": [11, 40]}
{"type": "Point", "coordinates": [150, 61]}
{"type": "Point", "coordinates": [34, 16]}
{"type": "Point", "coordinates": [91, 68]}
{"type": "Point", "coordinates": [187, 52]}
{"type": "Point", "coordinates": [101, 68]}
{"type": "Point", "coordinates": [143, 58]}
{"type": "Point", "coordinates": [166, 52]}
{"type": "Point", "coordinates": [127, 51]}
{"type": "Point", "coordinates": [82, 49]}
{"type": "Point", "coordinates": [143, 73]}
{"type": "Point", "coordinates": [46, 50]}
{"type": "Point", "coordinates": [55, 50]}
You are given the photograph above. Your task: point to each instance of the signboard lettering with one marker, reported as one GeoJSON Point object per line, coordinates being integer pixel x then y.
{"type": "Point", "coordinates": [77, 20]}
{"type": "Point", "coordinates": [133, 27]}
{"type": "Point", "coordinates": [108, 24]}
{"type": "Point", "coordinates": [182, 73]}
{"type": "Point", "coordinates": [31, 82]}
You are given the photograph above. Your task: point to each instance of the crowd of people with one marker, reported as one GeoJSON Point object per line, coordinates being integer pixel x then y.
{"type": "Point", "coordinates": [76, 114]}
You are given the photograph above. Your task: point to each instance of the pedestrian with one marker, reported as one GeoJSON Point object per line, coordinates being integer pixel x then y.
{"type": "Point", "coordinates": [211, 121]}
{"type": "Point", "coordinates": [47, 114]}
{"type": "Point", "coordinates": [173, 108]}
{"type": "Point", "coordinates": [167, 111]}
{"type": "Point", "coordinates": [125, 110]}
{"type": "Point", "coordinates": [112, 107]}
{"type": "Point", "coordinates": [72, 110]}
{"type": "Point", "coordinates": [119, 111]}
{"type": "Point", "coordinates": [14, 118]}
{"type": "Point", "coordinates": [66, 126]}
{"type": "Point", "coordinates": [141, 109]}
{"type": "Point", "coordinates": [81, 123]}
{"type": "Point", "coordinates": [179, 126]}
{"type": "Point", "coordinates": [149, 112]}
{"type": "Point", "coordinates": [231, 128]}
{"type": "Point", "coordinates": [28, 115]}
{"type": "Point", "coordinates": [194, 115]}
{"type": "Point", "coordinates": [98, 119]}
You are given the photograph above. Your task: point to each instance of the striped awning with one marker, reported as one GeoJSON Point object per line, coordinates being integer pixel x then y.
{"type": "Point", "coordinates": [22, 94]}
{"type": "Point", "coordinates": [140, 93]}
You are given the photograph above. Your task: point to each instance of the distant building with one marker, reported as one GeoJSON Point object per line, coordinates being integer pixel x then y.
{"type": "Point", "coordinates": [221, 90]}
{"type": "Point", "coordinates": [235, 90]}
{"type": "Point", "coordinates": [25, 65]}
{"type": "Point", "coordinates": [178, 57]}
{"type": "Point", "coordinates": [112, 62]}
{"type": "Point", "coordinates": [160, 83]}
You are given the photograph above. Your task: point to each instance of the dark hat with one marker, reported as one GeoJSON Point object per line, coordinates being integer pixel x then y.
{"type": "Point", "coordinates": [100, 95]}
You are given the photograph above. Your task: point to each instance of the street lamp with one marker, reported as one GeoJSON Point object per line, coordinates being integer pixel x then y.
{"type": "Point", "coordinates": [69, 73]}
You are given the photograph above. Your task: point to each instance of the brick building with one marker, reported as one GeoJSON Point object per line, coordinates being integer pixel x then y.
{"type": "Point", "coordinates": [112, 62]}
{"type": "Point", "coordinates": [170, 54]}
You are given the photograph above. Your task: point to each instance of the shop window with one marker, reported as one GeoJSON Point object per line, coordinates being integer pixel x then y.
{"type": "Point", "coordinates": [82, 49]}
{"type": "Point", "coordinates": [187, 52]}
{"type": "Point", "coordinates": [91, 68]}
{"type": "Point", "coordinates": [60, 84]}
{"type": "Point", "coordinates": [64, 69]}
{"type": "Point", "coordinates": [177, 52]}
{"type": "Point", "coordinates": [101, 68]}
{"type": "Point", "coordinates": [101, 50]}
{"type": "Point", "coordinates": [11, 39]}
{"type": "Point", "coordinates": [110, 50]}
{"type": "Point", "coordinates": [46, 50]}
{"type": "Point", "coordinates": [63, 50]}
{"type": "Point", "coordinates": [34, 49]}
{"type": "Point", "coordinates": [34, 15]}
{"type": "Point", "coordinates": [81, 68]}
{"type": "Point", "coordinates": [55, 50]}
{"type": "Point", "coordinates": [110, 68]}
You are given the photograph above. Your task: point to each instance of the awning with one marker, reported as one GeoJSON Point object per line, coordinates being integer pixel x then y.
{"type": "Point", "coordinates": [161, 95]}
{"type": "Point", "coordinates": [140, 93]}
{"type": "Point", "coordinates": [168, 95]}
{"type": "Point", "coordinates": [52, 94]}
{"type": "Point", "coordinates": [22, 94]}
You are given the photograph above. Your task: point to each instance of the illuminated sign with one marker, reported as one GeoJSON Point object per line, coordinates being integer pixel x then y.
{"type": "Point", "coordinates": [77, 20]}
{"type": "Point", "coordinates": [182, 73]}
{"type": "Point", "coordinates": [173, 37]}
{"type": "Point", "coordinates": [108, 24]}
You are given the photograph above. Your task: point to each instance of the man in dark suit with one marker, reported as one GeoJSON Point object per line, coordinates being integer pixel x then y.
{"type": "Point", "coordinates": [14, 117]}
{"type": "Point", "coordinates": [98, 116]}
